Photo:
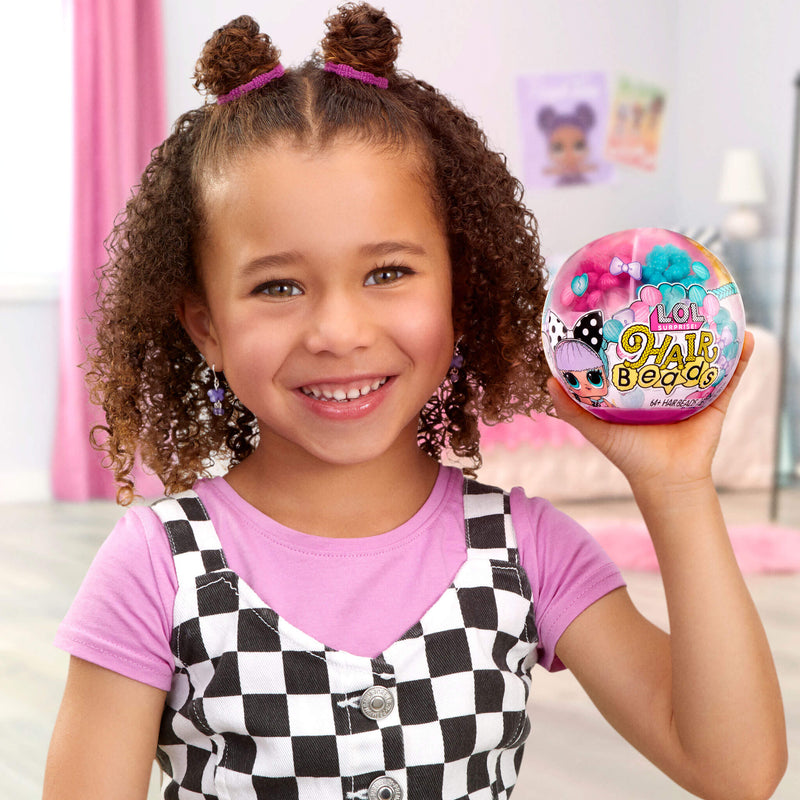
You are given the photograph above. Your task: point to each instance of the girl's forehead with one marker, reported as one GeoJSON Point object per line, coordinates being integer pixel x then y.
{"type": "Point", "coordinates": [288, 173]}
{"type": "Point", "coordinates": [349, 192]}
{"type": "Point", "coordinates": [343, 154]}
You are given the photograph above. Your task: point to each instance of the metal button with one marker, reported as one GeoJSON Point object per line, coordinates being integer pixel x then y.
{"type": "Point", "coordinates": [377, 702]}
{"type": "Point", "coordinates": [385, 788]}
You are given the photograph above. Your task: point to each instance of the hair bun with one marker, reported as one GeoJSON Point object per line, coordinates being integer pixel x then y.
{"type": "Point", "coordinates": [362, 37]}
{"type": "Point", "coordinates": [234, 55]}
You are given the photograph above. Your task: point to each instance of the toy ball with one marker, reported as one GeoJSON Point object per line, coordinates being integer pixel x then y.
{"type": "Point", "coordinates": [643, 326]}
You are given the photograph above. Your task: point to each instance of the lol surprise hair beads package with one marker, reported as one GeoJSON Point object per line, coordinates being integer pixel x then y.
{"type": "Point", "coordinates": [325, 279]}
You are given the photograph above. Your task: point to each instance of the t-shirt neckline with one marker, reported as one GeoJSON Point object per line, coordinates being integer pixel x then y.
{"type": "Point", "coordinates": [283, 535]}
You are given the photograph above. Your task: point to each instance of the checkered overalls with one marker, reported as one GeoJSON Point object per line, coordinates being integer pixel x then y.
{"type": "Point", "coordinates": [259, 709]}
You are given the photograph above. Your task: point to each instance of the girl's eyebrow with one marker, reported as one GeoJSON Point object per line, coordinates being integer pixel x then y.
{"type": "Point", "coordinates": [293, 256]}
{"type": "Point", "coordinates": [271, 260]}
{"type": "Point", "coordinates": [389, 247]}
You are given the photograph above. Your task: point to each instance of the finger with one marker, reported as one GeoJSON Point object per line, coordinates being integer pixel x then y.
{"type": "Point", "coordinates": [568, 410]}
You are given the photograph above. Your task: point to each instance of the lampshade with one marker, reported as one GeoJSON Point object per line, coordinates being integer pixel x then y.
{"type": "Point", "coordinates": [742, 178]}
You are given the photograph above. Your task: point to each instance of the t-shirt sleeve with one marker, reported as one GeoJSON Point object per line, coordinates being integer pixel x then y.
{"type": "Point", "coordinates": [567, 569]}
{"type": "Point", "coordinates": [121, 617]}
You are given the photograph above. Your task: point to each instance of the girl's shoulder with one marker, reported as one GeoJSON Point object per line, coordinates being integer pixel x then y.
{"type": "Point", "coordinates": [549, 538]}
{"type": "Point", "coordinates": [121, 617]}
{"type": "Point", "coordinates": [567, 568]}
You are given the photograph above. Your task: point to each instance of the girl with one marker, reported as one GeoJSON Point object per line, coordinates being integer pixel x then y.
{"type": "Point", "coordinates": [341, 615]}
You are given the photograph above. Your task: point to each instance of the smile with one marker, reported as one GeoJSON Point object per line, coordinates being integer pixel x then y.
{"type": "Point", "coordinates": [341, 394]}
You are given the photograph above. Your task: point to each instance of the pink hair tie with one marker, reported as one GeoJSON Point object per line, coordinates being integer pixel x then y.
{"type": "Point", "coordinates": [346, 71]}
{"type": "Point", "coordinates": [256, 83]}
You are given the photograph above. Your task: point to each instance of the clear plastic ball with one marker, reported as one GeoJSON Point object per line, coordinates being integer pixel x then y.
{"type": "Point", "coordinates": [643, 326]}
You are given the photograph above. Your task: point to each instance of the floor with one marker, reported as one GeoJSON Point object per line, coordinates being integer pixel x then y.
{"type": "Point", "coordinates": [572, 753]}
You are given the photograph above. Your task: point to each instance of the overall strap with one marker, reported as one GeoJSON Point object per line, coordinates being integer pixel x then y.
{"type": "Point", "coordinates": [487, 520]}
{"type": "Point", "coordinates": [195, 546]}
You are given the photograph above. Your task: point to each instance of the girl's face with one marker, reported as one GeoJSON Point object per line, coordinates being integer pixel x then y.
{"type": "Point", "coordinates": [327, 297]}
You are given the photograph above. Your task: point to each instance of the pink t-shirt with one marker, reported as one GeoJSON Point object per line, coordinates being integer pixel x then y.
{"type": "Point", "coordinates": [358, 595]}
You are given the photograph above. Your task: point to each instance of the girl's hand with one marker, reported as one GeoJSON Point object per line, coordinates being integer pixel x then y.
{"type": "Point", "coordinates": [675, 454]}
{"type": "Point", "coordinates": [681, 698]}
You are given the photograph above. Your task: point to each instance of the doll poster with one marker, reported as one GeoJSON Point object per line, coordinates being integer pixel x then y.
{"type": "Point", "coordinates": [635, 124]}
{"type": "Point", "coordinates": [564, 121]}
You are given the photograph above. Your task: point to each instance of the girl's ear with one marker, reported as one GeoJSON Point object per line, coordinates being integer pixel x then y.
{"type": "Point", "coordinates": [195, 316]}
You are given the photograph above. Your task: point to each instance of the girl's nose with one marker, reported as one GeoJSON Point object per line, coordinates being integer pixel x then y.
{"type": "Point", "coordinates": [339, 323]}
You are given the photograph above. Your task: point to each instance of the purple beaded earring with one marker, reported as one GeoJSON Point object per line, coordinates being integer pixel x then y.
{"type": "Point", "coordinates": [216, 395]}
{"type": "Point", "coordinates": [456, 363]}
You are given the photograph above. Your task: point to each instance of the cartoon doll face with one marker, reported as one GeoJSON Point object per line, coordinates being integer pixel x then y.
{"type": "Point", "coordinates": [568, 141]}
{"type": "Point", "coordinates": [587, 385]}
{"type": "Point", "coordinates": [568, 149]}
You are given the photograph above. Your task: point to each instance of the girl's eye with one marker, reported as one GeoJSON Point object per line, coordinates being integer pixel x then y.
{"type": "Point", "coordinates": [279, 289]}
{"type": "Point", "coordinates": [384, 275]}
{"type": "Point", "coordinates": [572, 380]}
{"type": "Point", "coordinates": [595, 378]}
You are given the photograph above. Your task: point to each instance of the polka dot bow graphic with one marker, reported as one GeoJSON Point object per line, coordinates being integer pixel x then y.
{"type": "Point", "coordinates": [588, 329]}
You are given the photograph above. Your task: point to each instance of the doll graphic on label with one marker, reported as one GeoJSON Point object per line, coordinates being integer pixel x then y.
{"type": "Point", "coordinates": [580, 357]}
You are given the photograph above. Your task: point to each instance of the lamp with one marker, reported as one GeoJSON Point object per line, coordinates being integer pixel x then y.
{"type": "Point", "coordinates": [742, 186]}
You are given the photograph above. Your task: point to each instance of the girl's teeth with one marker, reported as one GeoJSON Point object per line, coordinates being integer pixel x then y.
{"type": "Point", "coordinates": [340, 395]}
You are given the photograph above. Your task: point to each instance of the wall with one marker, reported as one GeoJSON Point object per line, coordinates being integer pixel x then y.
{"type": "Point", "coordinates": [737, 65]}
{"type": "Point", "coordinates": [28, 353]}
{"type": "Point", "coordinates": [728, 67]}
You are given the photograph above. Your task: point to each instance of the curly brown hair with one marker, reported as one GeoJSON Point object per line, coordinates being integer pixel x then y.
{"type": "Point", "coordinates": [144, 369]}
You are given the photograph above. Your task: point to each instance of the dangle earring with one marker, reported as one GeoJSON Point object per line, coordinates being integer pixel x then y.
{"type": "Point", "coordinates": [456, 363]}
{"type": "Point", "coordinates": [216, 395]}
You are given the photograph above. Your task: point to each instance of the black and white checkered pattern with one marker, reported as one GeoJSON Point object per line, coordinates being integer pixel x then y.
{"type": "Point", "coordinates": [259, 709]}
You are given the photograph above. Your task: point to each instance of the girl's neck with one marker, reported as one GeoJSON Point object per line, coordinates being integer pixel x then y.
{"type": "Point", "coordinates": [337, 501]}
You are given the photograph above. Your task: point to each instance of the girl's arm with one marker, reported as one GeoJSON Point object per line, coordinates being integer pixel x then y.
{"type": "Point", "coordinates": [703, 703]}
{"type": "Point", "coordinates": [105, 736]}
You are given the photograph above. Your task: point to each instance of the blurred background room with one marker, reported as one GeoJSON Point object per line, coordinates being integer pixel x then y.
{"type": "Point", "coordinates": [683, 116]}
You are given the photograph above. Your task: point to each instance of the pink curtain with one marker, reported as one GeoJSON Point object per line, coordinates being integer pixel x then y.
{"type": "Point", "coordinates": [119, 117]}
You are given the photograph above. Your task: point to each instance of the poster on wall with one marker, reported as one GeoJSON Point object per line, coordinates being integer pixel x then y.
{"type": "Point", "coordinates": [636, 119]}
{"type": "Point", "coordinates": [564, 118]}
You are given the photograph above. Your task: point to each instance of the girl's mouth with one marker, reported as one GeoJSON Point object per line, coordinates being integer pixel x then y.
{"type": "Point", "coordinates": [342, 393]}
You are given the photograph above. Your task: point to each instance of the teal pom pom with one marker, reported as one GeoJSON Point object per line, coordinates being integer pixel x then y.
{"type": "Point", "coordinates": [667, 263]}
